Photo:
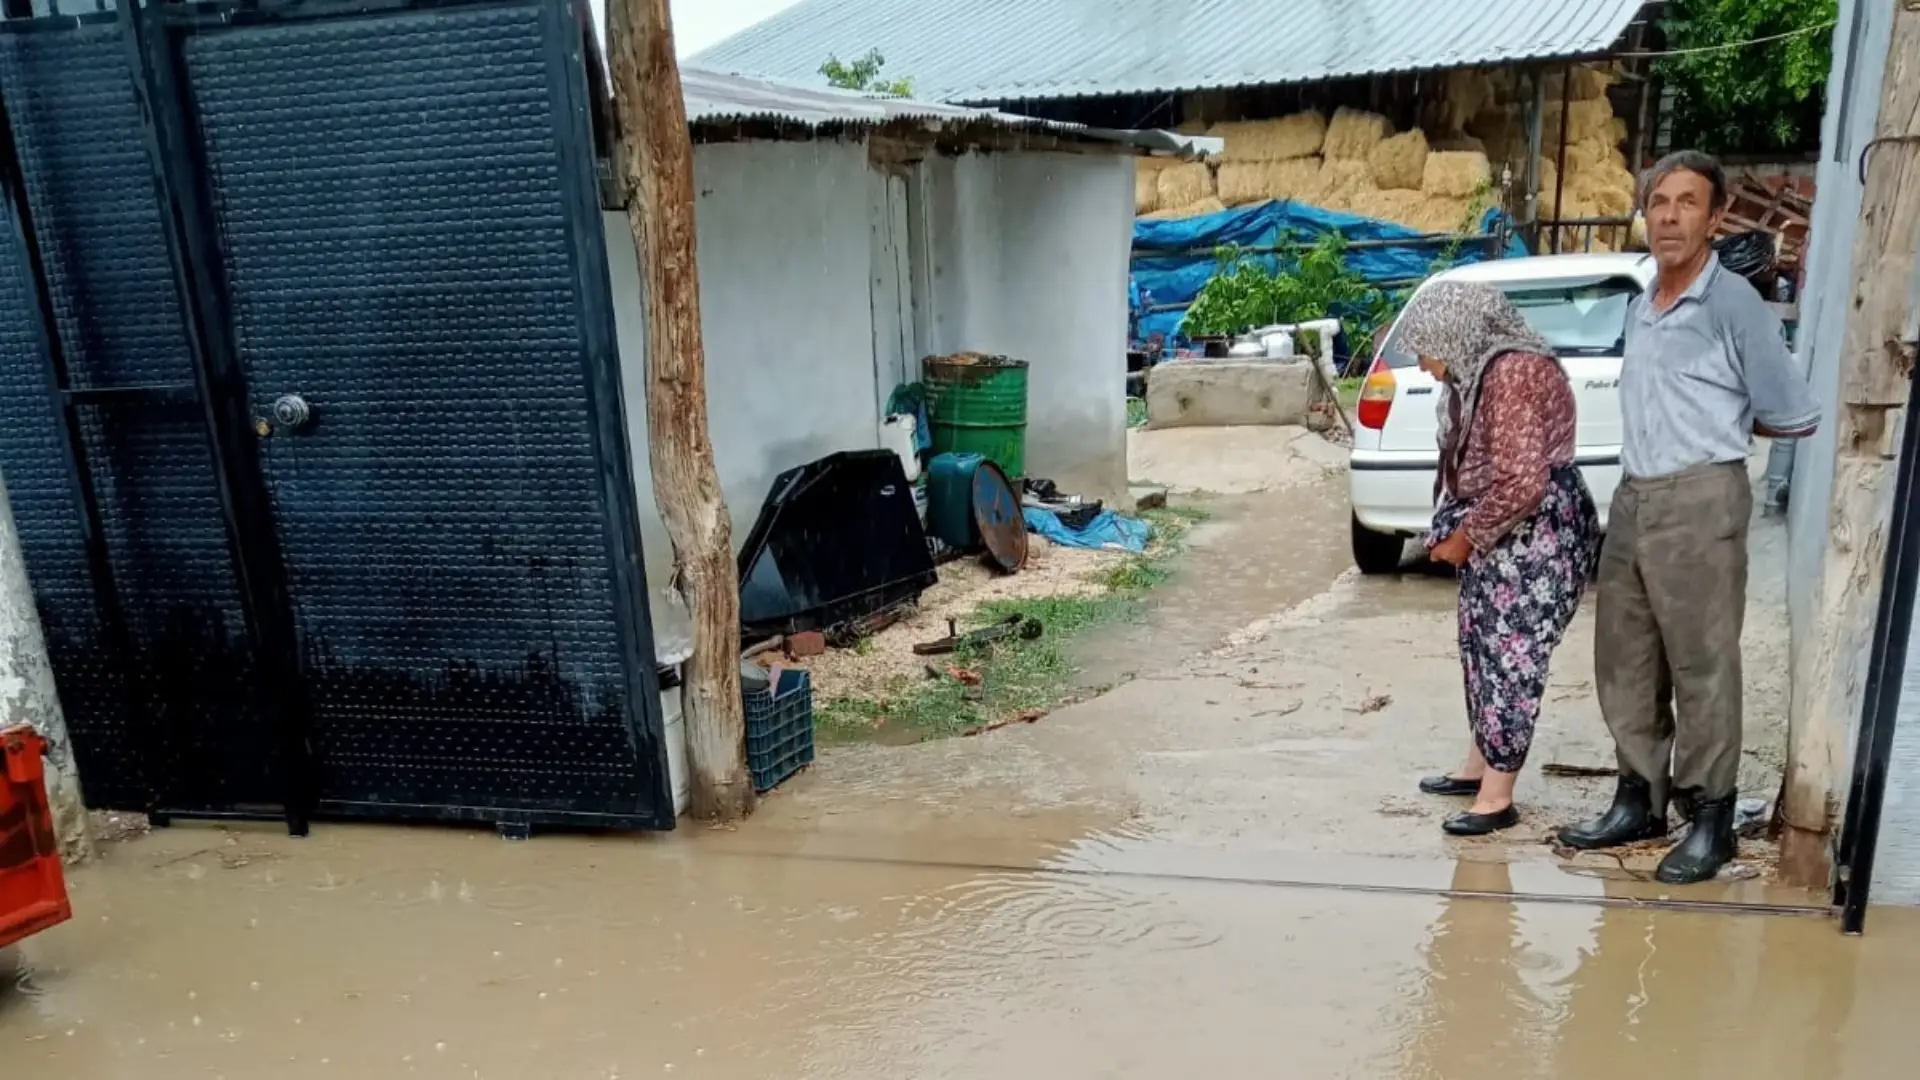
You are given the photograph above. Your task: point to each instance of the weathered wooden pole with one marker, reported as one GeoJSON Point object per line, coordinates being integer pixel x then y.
{"type": "Point", "coordinates": [658, 167]}
{"type": "Point", "coordinates": [1876, 366]}
{"type": "Point", "coordinates": [27, 694]}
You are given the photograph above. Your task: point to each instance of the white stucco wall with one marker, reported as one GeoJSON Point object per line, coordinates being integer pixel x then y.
{"type": "Point", "coordinates": [1030, 258]}
{"type": "Point", "coordinates": [785, 312]}
{"type": "Point", "coordinates": [1851, 115]}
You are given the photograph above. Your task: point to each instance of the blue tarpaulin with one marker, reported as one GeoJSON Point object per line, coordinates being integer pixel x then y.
{"type": "Point", "coordinates": [1107, 530]}
{"type": "Point", "coordinates": [1174, 259]}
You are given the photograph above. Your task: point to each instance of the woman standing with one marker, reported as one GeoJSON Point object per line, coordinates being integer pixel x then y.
{"type": "Point", "coordinates": [1514, 516]}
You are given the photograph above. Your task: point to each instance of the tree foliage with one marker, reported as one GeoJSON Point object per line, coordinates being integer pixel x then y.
{"type": "Point", "coordinates": [1753, 99]}
{"type": "Point", "coordinates": [864, 75]}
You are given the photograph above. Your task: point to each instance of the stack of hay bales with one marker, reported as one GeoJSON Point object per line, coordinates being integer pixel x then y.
{"type": "Point", "coordinates": [1303, 158]}
{"type": "Point", "coordinates": [1598, 180]}
{"type": "Point", "coordinates": [1269, 159]}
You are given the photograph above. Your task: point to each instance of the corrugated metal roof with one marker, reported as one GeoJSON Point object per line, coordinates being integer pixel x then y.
{"type": "Point", "coordinates": [716, 98]}
{"type": "Point", "coordinates": [1008, 50]}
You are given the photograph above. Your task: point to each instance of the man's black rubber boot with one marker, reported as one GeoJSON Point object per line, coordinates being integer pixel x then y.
{"type": "Point", "coordinates": [1710, 844]}
{"type": "Point", "coordinates": [1630, 819]}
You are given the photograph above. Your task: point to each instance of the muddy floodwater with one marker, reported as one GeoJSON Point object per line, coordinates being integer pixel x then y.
{"type": "Point", "coordinates": [1217, 868]}
{"type": "Point", "coordinates": [1044, 945]}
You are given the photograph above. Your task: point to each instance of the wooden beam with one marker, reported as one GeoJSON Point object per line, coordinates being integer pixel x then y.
{"type": "Point", "coordinates": [1876, 366]}
{"type": "Point", "coordinates": [658, 167]}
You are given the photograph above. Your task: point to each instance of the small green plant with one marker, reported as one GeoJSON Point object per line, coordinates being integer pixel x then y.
{"type": "Point", "coordinates": [1136, 412]}
{"type": "Point", "coordinates": [864, 75]}
{"type": "Point", "coordinates": [1311, 282]}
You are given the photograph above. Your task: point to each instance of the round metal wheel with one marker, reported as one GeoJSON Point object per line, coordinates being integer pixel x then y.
{"type": "Point", "coordinates": [996, 513]}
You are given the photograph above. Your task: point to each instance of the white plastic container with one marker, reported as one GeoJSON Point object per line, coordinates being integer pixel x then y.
{"type": "Point", "coordinates": [674, 723]}
{"type": "Point", "coordinates": [1279, 345]}
{"type": "Point", "coordinates": [899, 433]}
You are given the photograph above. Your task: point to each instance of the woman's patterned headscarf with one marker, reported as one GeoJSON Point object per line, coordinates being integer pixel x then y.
{"type": "Point", "coordinates": [1467, 325]}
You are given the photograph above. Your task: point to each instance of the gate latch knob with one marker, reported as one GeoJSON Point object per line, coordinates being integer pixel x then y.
{"type": "Point", "coordinates": [292, 411]}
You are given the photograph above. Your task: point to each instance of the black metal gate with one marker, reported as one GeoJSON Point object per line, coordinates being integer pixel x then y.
{"type": "Point", "coordinates": [310, 412]}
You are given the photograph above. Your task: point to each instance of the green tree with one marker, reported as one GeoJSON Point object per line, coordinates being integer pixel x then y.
{"type": "Point", "coordinates": [1754, 98]}
{"type": "Point", "coordinates": [864, 75]}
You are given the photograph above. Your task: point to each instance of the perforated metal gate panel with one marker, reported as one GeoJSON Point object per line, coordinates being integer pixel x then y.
{"type": "Point", "coordinates": [187, 726]}
{"type": "Point", "coordinates": [397, 242]}
{"type": "Point", "coordinates": [404, 202]}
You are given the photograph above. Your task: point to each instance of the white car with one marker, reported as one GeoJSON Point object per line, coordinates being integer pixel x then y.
{"type": "Point", "coordinates": [1579, 304]}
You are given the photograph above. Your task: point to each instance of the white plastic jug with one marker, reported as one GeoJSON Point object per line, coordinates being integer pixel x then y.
{"type": "Point", "coordinates": [899, 433]}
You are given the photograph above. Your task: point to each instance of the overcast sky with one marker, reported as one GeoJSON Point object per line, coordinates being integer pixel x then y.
{"type": "Point", "coordinates": [700, 23]}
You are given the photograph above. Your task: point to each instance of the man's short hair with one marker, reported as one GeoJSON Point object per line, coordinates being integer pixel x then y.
{"type": "Point", "coordinates": [1693, 161]}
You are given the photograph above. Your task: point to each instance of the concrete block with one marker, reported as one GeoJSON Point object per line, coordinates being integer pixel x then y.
{"type": "Point", "coordinates": [1227, 393]}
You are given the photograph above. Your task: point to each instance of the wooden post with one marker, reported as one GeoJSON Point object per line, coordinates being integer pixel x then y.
{"type": "Point", "coordinates": [658, 170]}
{"type": "Point", "coordinates": [1876, 366]}
{"type": "Point", "coordinates": [27, 694]}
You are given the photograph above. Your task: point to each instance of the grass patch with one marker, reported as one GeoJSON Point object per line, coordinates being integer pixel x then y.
{"type": "Point", "coordinates": [1348, 391]}
{"type": "Point", "coordinates": [1136, 412]}
{"type": "Point", "coordinates": [1010, 679]}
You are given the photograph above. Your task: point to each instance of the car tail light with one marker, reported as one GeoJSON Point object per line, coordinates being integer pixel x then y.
{"type": "Point", "coordinates": [1376, 394]}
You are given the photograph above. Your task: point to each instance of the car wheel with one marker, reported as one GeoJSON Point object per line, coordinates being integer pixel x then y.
{"type": "Point", "coordinates": [1376, 553]}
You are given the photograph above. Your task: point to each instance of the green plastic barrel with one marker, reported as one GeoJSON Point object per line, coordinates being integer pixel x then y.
{"type": "Point", "coordinates": [978, 405]}
{"type": "Point", "coordinates": [950, 500]}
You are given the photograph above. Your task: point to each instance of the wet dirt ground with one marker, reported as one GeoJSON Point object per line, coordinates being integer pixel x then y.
{"type": "Point", "coordinates": [1215, 869]}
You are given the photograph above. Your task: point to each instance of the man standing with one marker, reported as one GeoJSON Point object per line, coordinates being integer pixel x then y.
{"type": "Point", "coordinates": [1706, 368]}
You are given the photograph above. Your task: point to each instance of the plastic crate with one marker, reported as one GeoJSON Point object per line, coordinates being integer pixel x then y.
{"type": "Point", "coordinates": [33, 892]}
{"type": "Point", "coordinates": [779, 729]}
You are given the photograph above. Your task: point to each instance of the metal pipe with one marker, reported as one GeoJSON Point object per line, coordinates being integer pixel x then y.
{"type": "Point", "coordinates": [1536, 117]}
{"type": "Point", "coordinates": [1560, 165]}
{"type": "Point", "coordinates": [1886, 668]}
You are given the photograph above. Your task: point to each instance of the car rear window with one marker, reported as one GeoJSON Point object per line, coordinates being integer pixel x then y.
{"type": "Point", "coordinates": [1579, 316]}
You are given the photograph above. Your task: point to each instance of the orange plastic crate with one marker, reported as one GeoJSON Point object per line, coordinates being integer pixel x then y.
{"type": "Point", "coordinates": [33, 891]}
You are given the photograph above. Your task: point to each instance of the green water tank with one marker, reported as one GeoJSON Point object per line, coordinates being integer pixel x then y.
{"type": "Point", "coordinates": [978, 405]}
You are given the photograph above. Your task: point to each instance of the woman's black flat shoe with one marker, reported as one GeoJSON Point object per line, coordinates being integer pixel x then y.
{"type": "Point", "coordinates": [1449, 785]}
{"type": "Point", "coordinates": [1467, 823]}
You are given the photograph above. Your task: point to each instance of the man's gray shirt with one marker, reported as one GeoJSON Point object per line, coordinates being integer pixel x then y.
{"type": "Point", "coordinates": [1698, 376]}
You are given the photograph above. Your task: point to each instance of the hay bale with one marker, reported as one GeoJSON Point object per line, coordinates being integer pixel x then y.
{"type": "Point", "coordinates": [1208, 205]}
{"type": "Point", "coordinates": [1463, 94]}
{"type": "Point", "coordinates": [1399, 206]}
{"type": "Point", "coordinates": [1590, 83]}
{"type": "Point", "coordinates": [1185, 185]}
{"type": "Point", "coordinates": [1400, 161]}
{"type": "Point", "coordinates": [1607, 189]}
{"type": "Point", "coordinates": [1588, 154]}
{"type": "Point", "coordinates": [1585, 120]}
{"type": "Point", "coordinates": [1337, 183]}
{"type": "Point", "coordinates": [1245, 182]}
{"type": "Point", "coordinates": [1353, 134]}
{"type": "Point", "coordinates": [1439, 214]}
{"type": "Point", "coordinates": [1456, 175]}
{"type": "Point", "coordinates": [1549, 185]}
{"type": "Point", "coordinates": [1146, 182]}
{"type": "Point", "coordinates": [1289, 137]}
{"type": "Point", "coordinates": [1495, 123]}
{"type": "Point", "coordinates": [1454, 144]}
{"type": "Point", "coordinates": [1617, 130]}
